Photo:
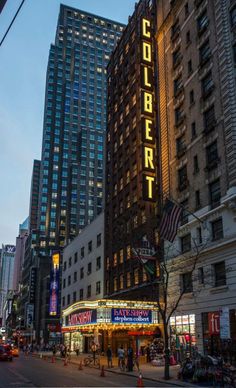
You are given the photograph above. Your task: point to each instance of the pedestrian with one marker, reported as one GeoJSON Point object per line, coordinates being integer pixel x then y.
{"type": "Point", "coordinates": [136, 361]}
{"type": "Point", "coordinates": [77, 351]}
{"type": "Point", "coordinates": [109, 357]}
{"type": "Point", "coordinates": [148, 353]}
{"type": "Point", "coordinates": [130, 359]}
{"type": "Point", "coordinates": [94, 349]}
{"type": "Point", "coordinates": [121, 357]}
{"type": "Point", "coordinates": [54, 350]}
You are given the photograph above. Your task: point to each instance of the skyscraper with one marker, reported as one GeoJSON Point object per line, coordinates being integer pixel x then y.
{"type": "Point", "coordinates": [71, 187]}
{"type": "Point", "coordinates": [6, 275]}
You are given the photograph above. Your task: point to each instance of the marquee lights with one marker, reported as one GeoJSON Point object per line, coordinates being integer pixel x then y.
{"type": "Point", "coordinates": [147, 112]}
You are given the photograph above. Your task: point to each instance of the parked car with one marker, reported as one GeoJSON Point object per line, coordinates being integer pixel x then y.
{"type": "Point", "coordinates": [15, 351]}
{"type": "Point", "coordinates": [5, 353]}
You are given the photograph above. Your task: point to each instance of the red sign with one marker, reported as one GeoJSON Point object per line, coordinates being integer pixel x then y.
{"type": "Point", "coordinates": [141, 333]}
{"type": "Point", "coordinates": [214, 323]}
{"type": "Point", "coordinates": [54, 328]}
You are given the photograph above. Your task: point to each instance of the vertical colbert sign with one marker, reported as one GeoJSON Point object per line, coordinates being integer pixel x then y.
{"type": "Point", "coordinates": [147, 113]}
{"type": "Point", "coordinates": [54, 285]}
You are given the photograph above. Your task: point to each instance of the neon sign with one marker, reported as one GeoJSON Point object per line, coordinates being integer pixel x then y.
{"type": "Point", "coordinates": [54, 285]}
{"type": "Point", "coordinates": [131, 316]}
{"type": "Point", "coordinates": [147, 112]}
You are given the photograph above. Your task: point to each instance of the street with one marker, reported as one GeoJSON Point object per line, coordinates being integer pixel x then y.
{"type": "Point", "coordinates": [27, 371]}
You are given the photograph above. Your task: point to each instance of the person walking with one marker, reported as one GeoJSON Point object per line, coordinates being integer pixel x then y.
{"type": "Point", "coordinates": [130, 358]}
{"type": "Point", "coordinates": [109, 357]}
{"type": "Point", "coordinates": [121, 357]}
{"type": "Point", "coordinates": [94, 349]}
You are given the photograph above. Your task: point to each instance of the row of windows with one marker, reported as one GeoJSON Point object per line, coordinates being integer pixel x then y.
{"type": "Point", "coordinates": [127, 280]}
{"type": "Point", "coordinates": [204, 277]}
{"type": "Point", "coordinates": [81, 294]}
{"type": "Point", "coordinates": [89, 271]}
{"type": "Point", "coordinates": [82, 252]}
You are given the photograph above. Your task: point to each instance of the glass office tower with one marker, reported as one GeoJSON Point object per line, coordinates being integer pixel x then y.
{"type": "Point", "coordinates": [71, 189]}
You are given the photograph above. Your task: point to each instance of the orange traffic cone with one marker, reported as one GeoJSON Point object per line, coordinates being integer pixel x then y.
{"type": "Point", "coordinates": [80, 367]}
{"type": "Point", "coordinates": [65, 362]}
{"type": "Point", "coordinates": [140, 381]}
{"type": "Point", "coordinates": [102, 372]}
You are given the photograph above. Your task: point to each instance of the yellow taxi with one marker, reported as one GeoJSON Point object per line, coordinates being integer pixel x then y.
{"type": "Point", "coordinates": [15, 351]}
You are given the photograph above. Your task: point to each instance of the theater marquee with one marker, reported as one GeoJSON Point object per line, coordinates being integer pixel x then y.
{"type": "Point", "coordinates": [147, 113]}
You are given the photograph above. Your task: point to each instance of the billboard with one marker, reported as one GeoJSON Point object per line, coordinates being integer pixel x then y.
{"type": "Point", "coordinates": [83, 317]}
{"type": "Point", "coordinates": [131, 316]}
{"type": "Point", "coordinates": [29, 316]}
{"type": "Point", "coordinates": [54, 285]}
{"type": "Point", "coordinates": [10, 248]}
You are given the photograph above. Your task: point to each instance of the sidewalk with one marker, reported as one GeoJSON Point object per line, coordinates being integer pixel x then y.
{"type": "Point", "coordinates": [149, 372]}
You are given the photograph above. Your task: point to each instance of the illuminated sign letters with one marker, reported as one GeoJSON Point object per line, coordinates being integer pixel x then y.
{"type": "Point", "coordinates": [54, 285]}
{"type": "Point", "coordinates": [147, 113]}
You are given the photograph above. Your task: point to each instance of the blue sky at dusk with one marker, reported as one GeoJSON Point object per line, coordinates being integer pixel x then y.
{"type": "Point", "coordinates": [23, 64]}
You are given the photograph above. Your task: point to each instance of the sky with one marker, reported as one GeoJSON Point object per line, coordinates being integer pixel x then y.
{"type": "Point", "coordinates": [23, 64]}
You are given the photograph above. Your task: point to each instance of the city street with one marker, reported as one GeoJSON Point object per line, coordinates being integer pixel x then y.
{"type": "Point", "coordinates": [34, 372]}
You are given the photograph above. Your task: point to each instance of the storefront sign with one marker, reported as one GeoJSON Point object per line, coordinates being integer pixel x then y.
{"type": "Point", "coordinates": [224, 323]}
{"type": "Point", "coordinates": [141, 333]}
{"type": "Point", "coordinates": [83, 318]}
{"type": "Point", "coordinates": [54, 328]}
{"type": "Point", "coordinates": [214, 323]}
{"type": "Point", "coordinates": [29, 315]}
{"type": "Point", "coordinates": [131, 316]}
{"type": "Point", "coordinates": [147, 112]}
{"type": "Point", "coordinates": [54, 285]}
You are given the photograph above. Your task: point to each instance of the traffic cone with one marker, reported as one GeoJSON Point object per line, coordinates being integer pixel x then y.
{"type": "Point", "coordinates": [80, 367]}
{"type": "Point", "coordinates": [65, 362]}
{"type": "Point", "coordinates": [102, 372]}
{"type": "Point", "coordinates": [53, 360]}
{"type": "Point", "coordinates": [140, 381]}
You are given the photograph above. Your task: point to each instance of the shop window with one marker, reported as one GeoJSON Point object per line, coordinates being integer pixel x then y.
{"type": "Point", "coordinates": [81, 294]}
{"type": "Point", "coordinates": [89, 291]}
{"type": "Point", "coordinates": [217, 229]}
{"type": "Point", "coordinates": [75, 277]}
{"type": "Point", "coordinates": [99, 239]}
{"type": "Point", "coordinates": [81, 272]}
{"type": "Point", "coordinates": [215, 193]}
{"type": "Point", "coordinates": [98, 263]}
{"type": "Point", "coordinates": [90, 246]}
{"type": "Point", "coordinates": [75, 257]}
{"type": "Point", "coordinates": [136, 276]}
{"type": "Point", "coordinates": [98, 288]}
{"type": "Point", "coordinates": [89, 268]}
{"type": "Point", "coordinates": [74, 296]}
{"type": "Point", "coordinates": [121, 280]}
{"type": "Point", "coordinates": [220, 274]}
{"type": "Point", "coordinates": [186, 243]}
{"type": "Point", "coordinates": [186, 282]}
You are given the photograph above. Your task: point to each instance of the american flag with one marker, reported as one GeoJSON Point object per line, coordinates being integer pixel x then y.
{"type": "Point", "coordinates": [170, 219]}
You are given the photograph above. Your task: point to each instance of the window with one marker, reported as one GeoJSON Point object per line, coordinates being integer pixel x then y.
{"type": "Point", "coordinates": [63, 301]}
{"type": "Point", "coordinates": [190, 67]}
{"type": "Point", "coordinates": [200, 275]}
{"type": "Point", "coordinates": [89, 291]}
{"type": "Point", "coordinates": [180, 146]}
{"type": "Point", "coordinates": [89, 268]}
{"type": "Point", "coordinates": [99, 239]}
{"type": "Point", "coordinates": [128, 279]}
{"type": "Point", "coordinates": [82, 273]}
{"type": "Point", "coordinates": [115, 284]}
{"type": "Point", "coordinates": [69, 280]}
{"type": "Point", "coordinates": [128, 252]}
{"type": "Point", "coordinates": [186, 243]}
{"type": "Point", "coordinates": [204, 53]}
{"type": "Point", "coordinates": [82, 252]}
{"type": "Point", "coordinates": [185, 213]}
{"type": "Point", "coordinates": [64, 266]}
{"type": "Point", "coordinates": [215, 194]}
{"type": "Point", "coordinates": [177, 56]}
{"type": "Point", "coordinates": [68, 299]}
{"type": "Point", "coordinates": [234, 54]}
{"type": "Point", "coordinates": [179, 115]}
{"type": "Point", "coordinates": [197, 199]}
{"type": "Point", "coordinates": [98, 263]}
{"type": "Point", "coordinates": [136, 276]}
{"type": "Point", "coordinates": [220, 274]}
{"type": "Point", "coordinates": [178, 85]}
{"type": "Point", "coordinates": [212, 155]}
{"type": "Point", "coordinates": [75, 257]}
{"type": "Point", "coordinates": [209, 119]}
{"type": "Point", "coordinates": [81, 294]}
{"type": "Point", "coordinates": [121, 280]}
{"type": "Point", "coordinates": [186, 282]}
{"type": "Point", "coordinates": [70, 262]}
{"type": "Point", "coordinates": [98, 288]}
{"type": "Point", "coordinates": [191, 97]}
{"type": "Point", "coordinates": [199, 235]}
{"type": "Point", "coordinates": [64, 283]}
{"type": "Point", "coordinates": [217, 229]}
{"type": "Point", "coordinates": [188, 39]}
{"type": "Point", "coordinates": [121, 256]}
{"type": "Point", "coordinates": [75, 277]}
{"type": "Point", "coordinates": [175, 29]}
{"type": "Point", "coordinates": [74, 296]}
{"type": "Point", "coordinates": [207, 85]}
{"type": "Point", "coordinates": [193, 130]}
{"type": "Point", "coordinates": [186, 9]}
{"type": "Point", "coordinates": [202, 23]}
{"type": "Point", "coordinates": [233, 17]}
{"type": "Point", "coordinates": [195, 165]}
{"type": "Point", "coordinates": [182, 175]}
{"type": "Point", "coordinates": [90, 246]}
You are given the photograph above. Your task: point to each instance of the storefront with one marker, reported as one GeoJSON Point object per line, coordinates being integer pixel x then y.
{"type": "Point", "coordinates": [110, 322]}
{"type": "Point", "coordinates": [183, 334]}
